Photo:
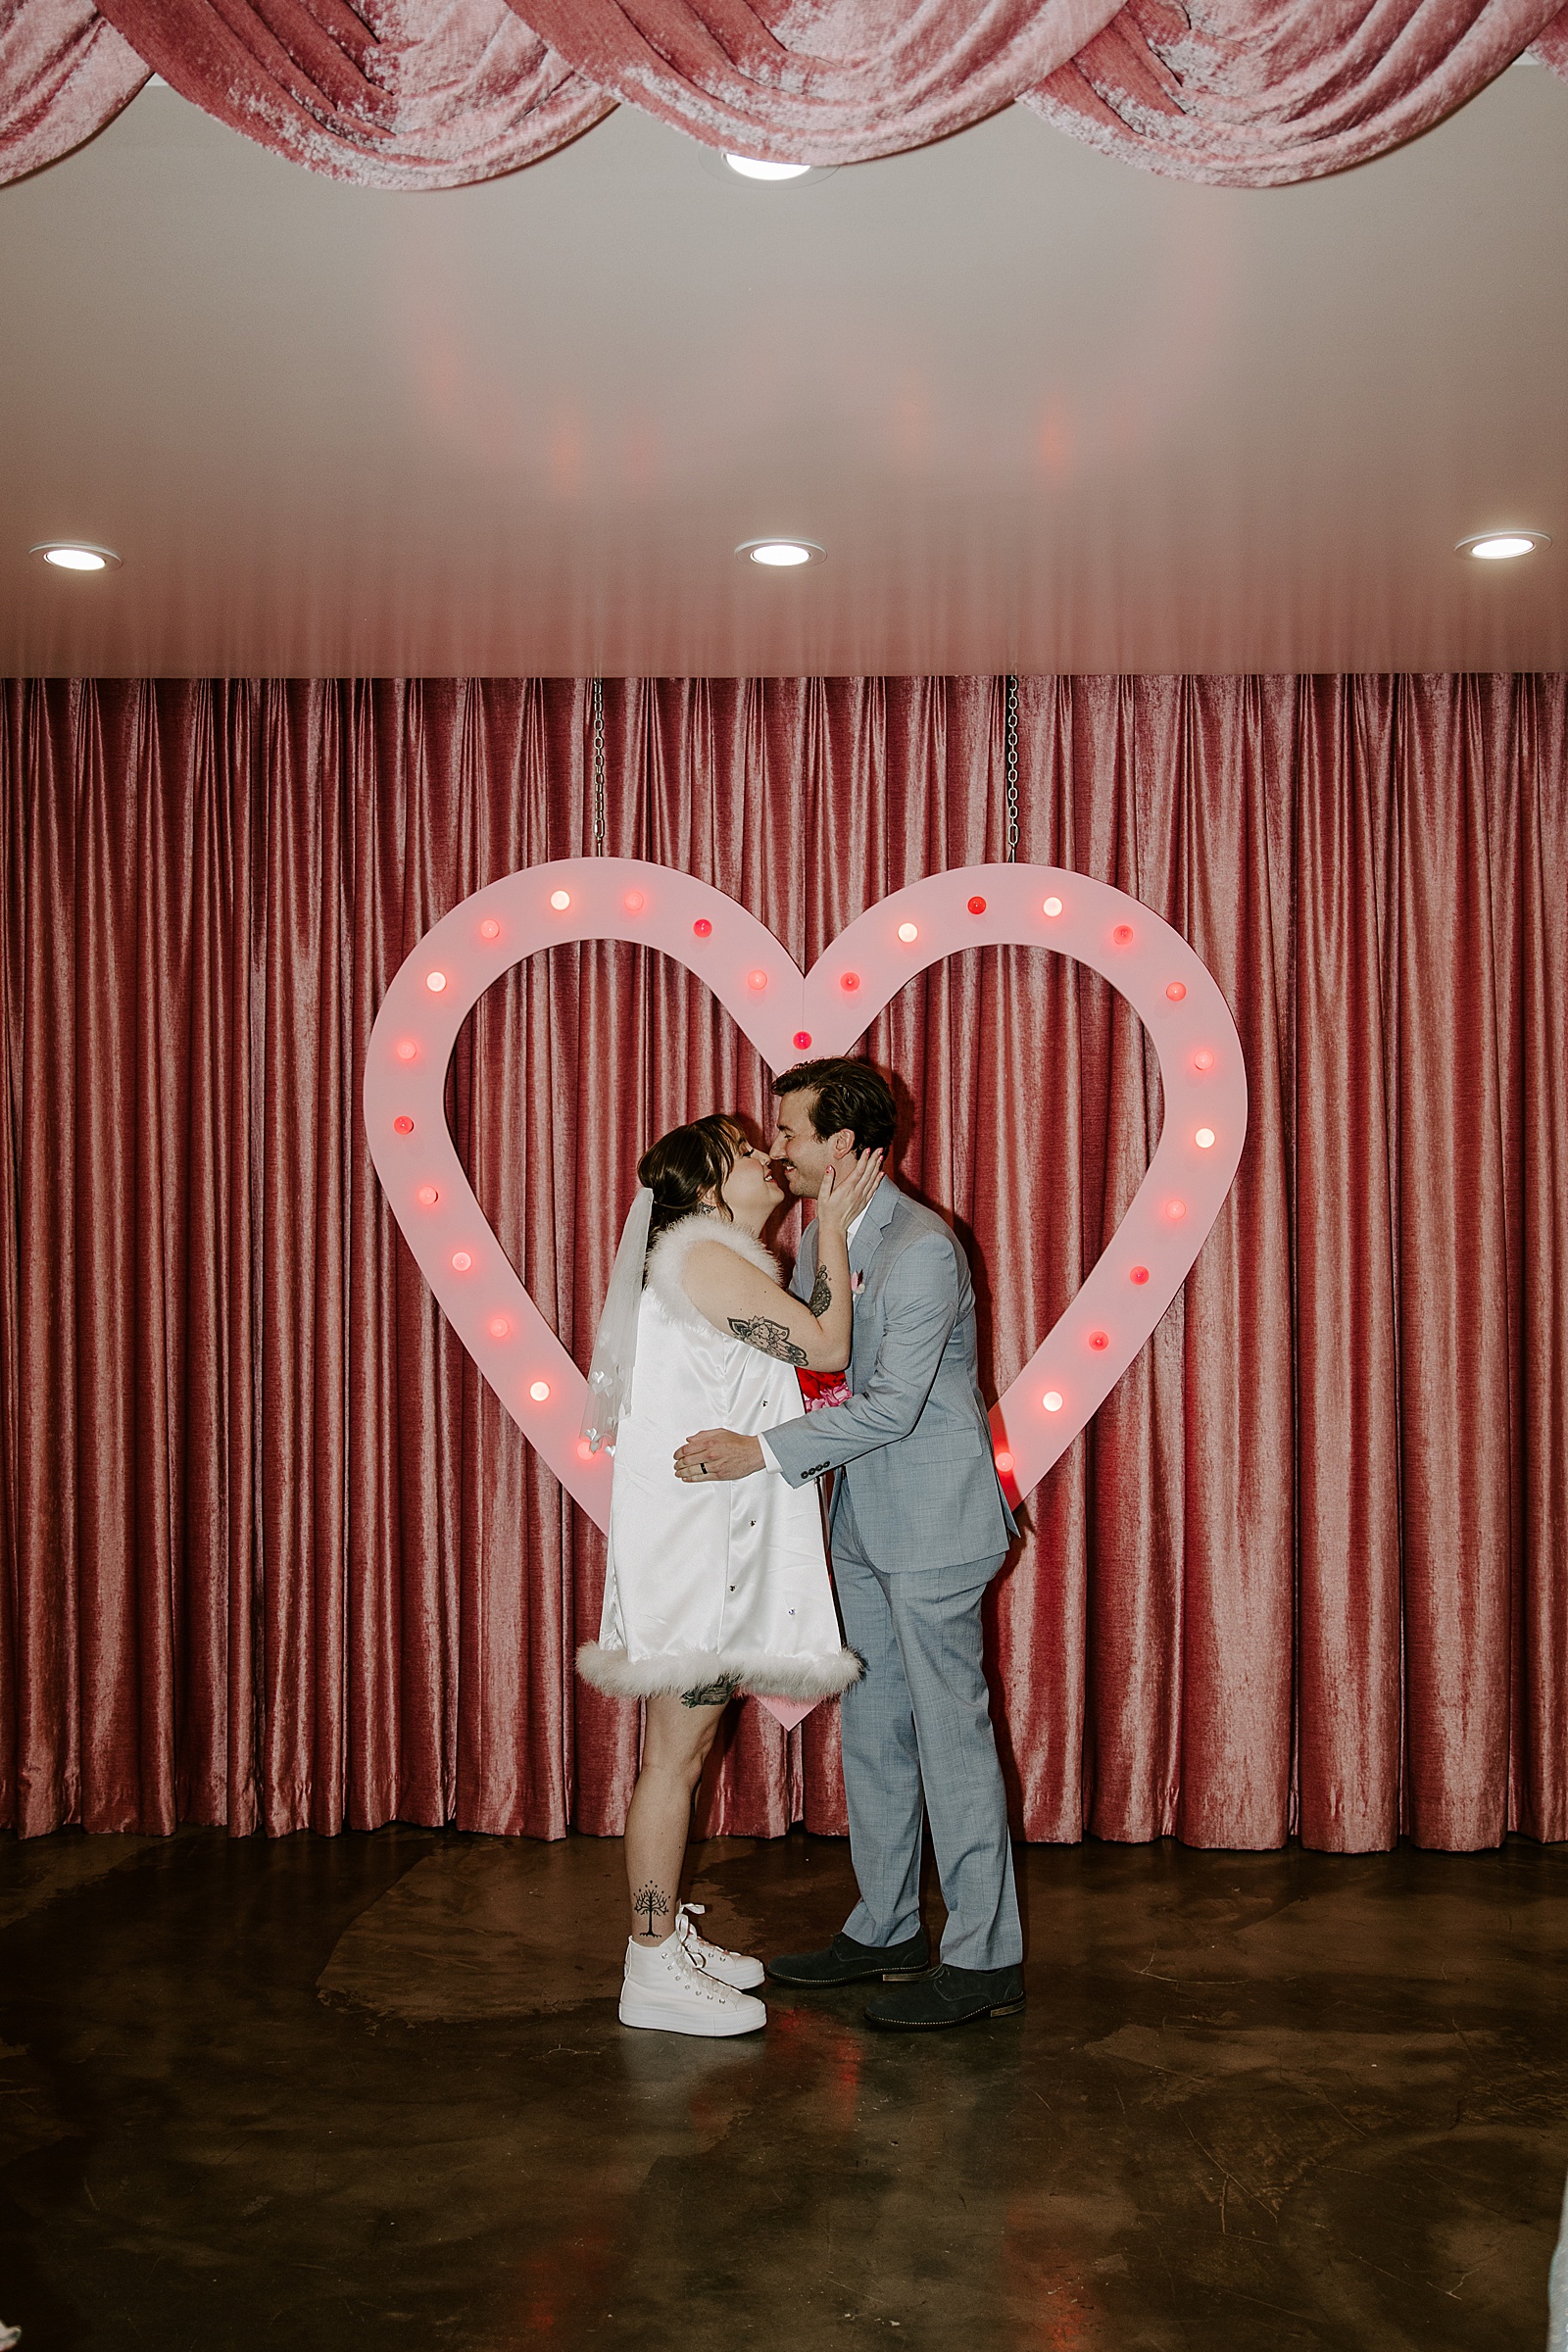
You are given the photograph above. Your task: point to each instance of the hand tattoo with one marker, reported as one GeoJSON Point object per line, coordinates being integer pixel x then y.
{"type": "Point", "coordinates": [773, 1338]}
{"type": "Point", "coordinates": [821, 1293]}
{"type": "Point", "coordinates": [650, 1903]}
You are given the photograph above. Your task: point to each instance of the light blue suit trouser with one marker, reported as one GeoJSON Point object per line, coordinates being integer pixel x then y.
{"type": "Point", "coordinates": [921, 1721]}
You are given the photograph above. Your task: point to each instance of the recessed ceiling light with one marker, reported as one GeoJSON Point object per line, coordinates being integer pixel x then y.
{"type": "Point", "coordinates": [751, 166]}
{"type": "Point", "coordinates": [782, 555]}
{"type": "Point", "coordinates": [75, 555]}
{"type": "Point", "coordinates": [1496, 547]}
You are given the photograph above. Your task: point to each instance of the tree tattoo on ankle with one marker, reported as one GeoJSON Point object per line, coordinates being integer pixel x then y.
{"type": "Point", "coordinates": [650, 1903]}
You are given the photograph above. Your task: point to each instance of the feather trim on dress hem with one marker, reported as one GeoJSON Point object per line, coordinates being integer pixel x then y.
{"type": "Point", "coordinates": [823, 1676]}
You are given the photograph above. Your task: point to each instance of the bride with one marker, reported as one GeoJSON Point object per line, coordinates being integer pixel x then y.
{"type": "Point", "coordinates": [709, 1590]}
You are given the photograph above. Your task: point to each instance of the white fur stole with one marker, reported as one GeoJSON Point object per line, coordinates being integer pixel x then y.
{"type": "Point", "coordinates": [667, 1264]}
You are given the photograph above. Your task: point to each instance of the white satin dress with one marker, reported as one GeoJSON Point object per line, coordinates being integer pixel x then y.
{"type": "Point", "coordinates": [709, 1587]}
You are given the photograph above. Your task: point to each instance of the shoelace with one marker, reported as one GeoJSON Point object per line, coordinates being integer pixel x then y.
{"type": "Point", "coordinates": [696, 1945]}
{"type": "Point", "coordinates": [705, 1987]}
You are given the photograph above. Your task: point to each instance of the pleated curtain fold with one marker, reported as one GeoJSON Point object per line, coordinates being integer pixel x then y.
{"type": "Point", "coordinates": [272, 1554]}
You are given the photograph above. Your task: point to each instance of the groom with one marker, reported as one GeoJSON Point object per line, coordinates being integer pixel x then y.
{"type": "Point", "coordinates": [919, 1527]}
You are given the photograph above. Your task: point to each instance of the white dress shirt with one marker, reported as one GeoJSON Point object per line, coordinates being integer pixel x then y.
{"type": "Point", "coordinates": [768, 1463]}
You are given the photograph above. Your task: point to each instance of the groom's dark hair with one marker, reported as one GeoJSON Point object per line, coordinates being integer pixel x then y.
{"type": "Point", "coordinates": [847, 1093]}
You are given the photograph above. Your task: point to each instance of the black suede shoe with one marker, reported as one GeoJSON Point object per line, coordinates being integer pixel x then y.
{"type": "Point", "coordinates": [845, 1962]}
{"type": "Point", "coordinates": [949, 1996]}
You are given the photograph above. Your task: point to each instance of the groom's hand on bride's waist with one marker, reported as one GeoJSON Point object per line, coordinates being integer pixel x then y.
{"type": "Point", "coordinates": [717, 1454]}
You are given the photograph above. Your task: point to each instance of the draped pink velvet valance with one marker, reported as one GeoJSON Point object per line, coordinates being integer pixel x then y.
{"type": "Point", "coordinates": [437, 93]}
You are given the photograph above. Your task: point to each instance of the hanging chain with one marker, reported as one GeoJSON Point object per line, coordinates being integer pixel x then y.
{"type": "Point", "coordinates": [597, 698]}
{"type": "Point", "coordinates": [1013, 770]}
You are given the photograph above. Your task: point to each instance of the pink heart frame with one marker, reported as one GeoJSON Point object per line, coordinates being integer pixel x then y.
{"type": "Point", "coordinates": [789, 1014]}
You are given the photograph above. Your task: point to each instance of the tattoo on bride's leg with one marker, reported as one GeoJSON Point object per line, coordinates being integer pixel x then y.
{"type": "Point", "coordinates": [712, 1694]}
{"type": "Point", "coordinates": [650, 1903]}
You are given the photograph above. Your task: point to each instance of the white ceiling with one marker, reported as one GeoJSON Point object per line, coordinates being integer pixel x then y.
{"type": "Point", "coordinates": [1044, 413]}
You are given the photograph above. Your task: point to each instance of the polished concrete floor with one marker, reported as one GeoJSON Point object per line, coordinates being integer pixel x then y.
{"type": "Point", "coordinates": [372, 2090]}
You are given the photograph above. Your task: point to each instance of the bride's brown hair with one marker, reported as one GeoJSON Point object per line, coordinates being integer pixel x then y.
{"type": "Point", "coordinates": [687, 1163]}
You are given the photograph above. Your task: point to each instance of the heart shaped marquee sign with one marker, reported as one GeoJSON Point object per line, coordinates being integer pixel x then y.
{"type": "Point", "coordinates": [788, 1015]}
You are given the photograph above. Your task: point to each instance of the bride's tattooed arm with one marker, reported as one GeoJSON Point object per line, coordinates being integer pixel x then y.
{"type": "Point", "coordinates": [746, 1300]}
{"type": "Point", "coordinates": [771, 1338]}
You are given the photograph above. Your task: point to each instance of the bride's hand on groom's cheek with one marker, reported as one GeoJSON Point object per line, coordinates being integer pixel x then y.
{"type": "Point", "coordinates": [845, 1191]}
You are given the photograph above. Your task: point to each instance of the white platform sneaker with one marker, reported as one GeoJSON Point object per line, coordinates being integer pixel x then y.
{"type": "Point", "coordinates": [736, 1968]}
{"type": "Point", "coordinates": [662, 1990]}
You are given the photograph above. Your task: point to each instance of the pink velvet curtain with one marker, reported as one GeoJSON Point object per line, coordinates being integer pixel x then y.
{"type": "Point", "coordinates": [272, 1554]}
{"type": "Point", "coordinates": [434, 93]}
{"type": "Point", "coordinates": [63, 73]}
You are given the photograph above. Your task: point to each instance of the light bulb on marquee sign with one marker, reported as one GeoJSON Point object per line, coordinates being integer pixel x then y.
{"type": "Point", "coordinates": [785, 1012]}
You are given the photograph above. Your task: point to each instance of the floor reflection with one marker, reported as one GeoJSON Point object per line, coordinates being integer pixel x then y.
{"type": "Point", "coordinates": [330, 2091]}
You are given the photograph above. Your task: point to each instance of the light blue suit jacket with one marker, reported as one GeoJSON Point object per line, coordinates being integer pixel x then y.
{"type": "Point", "coordinates": [912, 1447]}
